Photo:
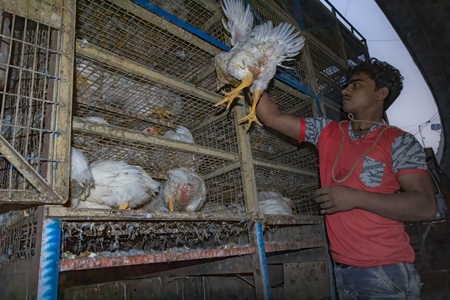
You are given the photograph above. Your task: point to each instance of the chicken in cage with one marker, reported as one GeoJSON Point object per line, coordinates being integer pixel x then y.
{"type": "Point", "coordinates": [97, 84]}
{"type": "Point", "coordinates": [184, 190]}
{"type": "Point", "coordinates": [109, 184]}
{"type": "Point", "coordinates": [122, 186]}
{"type": "Point", "coordinates": [273, 203]}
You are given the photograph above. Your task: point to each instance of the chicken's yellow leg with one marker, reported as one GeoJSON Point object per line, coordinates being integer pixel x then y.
{"type": "Point", "coordinates": [251, 117]}
{"type": "Point", "coordinates": [124, 205]}
{"type": "Point", "coordinates": [171, 203]}
{"type": "Point", "coordinates": [235, 93]}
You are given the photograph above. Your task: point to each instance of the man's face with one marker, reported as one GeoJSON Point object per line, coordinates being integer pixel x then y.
{"type": "Point", "coordinates": [359, 94]}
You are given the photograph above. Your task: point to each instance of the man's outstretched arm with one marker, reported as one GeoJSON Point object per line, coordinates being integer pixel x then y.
{"type": "Point", "coordinates": [271, 116]}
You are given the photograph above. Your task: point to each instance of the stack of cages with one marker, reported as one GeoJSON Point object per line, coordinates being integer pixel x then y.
{"type": "Point", "coordinates": [333, 44]}
{"type": "Point", "coordinates": [136, 72]}
{"type": "Point", "coordinates": [281, 164]}
{"type": "Point", "coordinates": [142, 72]}
{"type": "Point", "coordinates": [285, 166]}
{"type": "Point", "coordinates": [140, 67]}
{"type": "Point", "coordinates": [36, 58]}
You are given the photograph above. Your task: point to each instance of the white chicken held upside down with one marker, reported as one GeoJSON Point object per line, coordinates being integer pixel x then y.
{"type": "Point", "coordinates": [184, 190]}
{"type": "Point", "coordinates": [120, 185]}
{"type": "Point", "coordinates": [255, 55]}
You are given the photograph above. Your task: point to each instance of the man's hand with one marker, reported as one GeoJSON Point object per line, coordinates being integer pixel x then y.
{"type": "Point", "coordinates": [335, 198]}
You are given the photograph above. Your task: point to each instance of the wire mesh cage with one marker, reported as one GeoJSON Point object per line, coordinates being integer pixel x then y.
{"type": "Point", "coordinates": [269, 10]}
{"type": "Point", "coordinates": [309, 235]}
{"type": "Point", "coordinates": [218, 132]}
{"type": "Point", "coordinates": [329, 73]}
{"type": "Point", "coordinates": [304, 200]}
{"type": "Point", "coordinates": [154, 154]}
{"type": "Point", "coordinates": [303, 158]}
{"type": "Point", "coordinates": [225, 193]}
{"type": "Point", "coordinates": [267, 143]}
{"type": "Point", "coordinates": [280, 179]}
{"type": "Point", "coordinates": [355, 50]}
{"type": "Point", "coordinates": [35, 89]}
{"type": "Point", "coordinates": [334, 113]}
{"type": "Point", "coordinates": [120, 42]}
{"type": "Point", "coordinates": [109, 87]}
{"type": "Point", "coordinates": [290, 183]}
{"type": "Point", "coordinates": [18, 232]}
{"type": "Point", "coordinates": [317, 21]}
{"type": "Point", "coordinates": [157, 156]}
{"type": "Point", "coordinates": [125, 29]}
{"type": "Point", "coordinates": [204, 15]}
{"type": "Point", "coordinates": [125, 238]}
{"type": "Point", "coordinates": [322, 24]}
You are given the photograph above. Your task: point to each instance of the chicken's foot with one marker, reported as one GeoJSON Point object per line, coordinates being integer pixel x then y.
{"type": "Point", "coordinates": [251, 117]}
{"type": "Point", "coordinates": [171, 203]}
{"type": "Point", "coordinates": [125, 205]}
{"type": "Point", "coordinates": [235, 93]}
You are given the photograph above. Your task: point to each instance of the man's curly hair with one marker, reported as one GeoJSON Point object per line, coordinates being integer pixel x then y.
{"type": "Point", "coordinates": [383, 74]}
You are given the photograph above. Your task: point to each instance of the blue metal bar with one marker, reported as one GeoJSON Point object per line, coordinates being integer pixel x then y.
{"type": "Point", "coordinates": [262, 260]}
{"type": "Point", "coordinates": [49, 260]}
{"type": "Point", "coordinates": [194, 30]}
{"type": "Point", "coordinates": [296, 84]}
{"type": "Point", "coordinates": [186, 26]}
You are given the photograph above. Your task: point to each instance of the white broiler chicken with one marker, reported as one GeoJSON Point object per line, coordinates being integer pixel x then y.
{"type": "Point", "coordinates": [95, 120]}
{"type": "Point", "coordinates": [181, 134]}
{"type": "Point", "coordinates": [120, 185]}
{"type": "Point", "coordinates": [273, 203]}
{"type": "Point", "coordinates": [184, 190]}
{"type": "Point", "coordinates": [255, 54]}
{"type": "Point", "coordinates": [81, 179]}
{"type": "Point", "coordinates": [101, 86]}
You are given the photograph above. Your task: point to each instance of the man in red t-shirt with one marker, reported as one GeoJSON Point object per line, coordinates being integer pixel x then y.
{"type": "Point", "coordinates": [364, 163]}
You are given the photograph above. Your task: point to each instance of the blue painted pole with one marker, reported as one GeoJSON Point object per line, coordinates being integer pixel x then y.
{"type": "Point", "coordinates": [49, 260]}
{"type": "Point", "coordinates": [262, 260]}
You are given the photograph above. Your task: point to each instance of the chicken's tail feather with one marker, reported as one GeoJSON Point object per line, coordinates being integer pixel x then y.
{"type": "Point", "coordinates": [240, 20]}
{"type": "Point", "coordinates": [288, 43]}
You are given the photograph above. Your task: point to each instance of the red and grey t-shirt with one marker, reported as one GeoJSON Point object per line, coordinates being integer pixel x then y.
{"type": "Point", "coordinates": [357, 237]}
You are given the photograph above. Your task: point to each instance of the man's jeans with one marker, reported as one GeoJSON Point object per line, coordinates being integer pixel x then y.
{"type": "Point", "coordinates": [400, 281]}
